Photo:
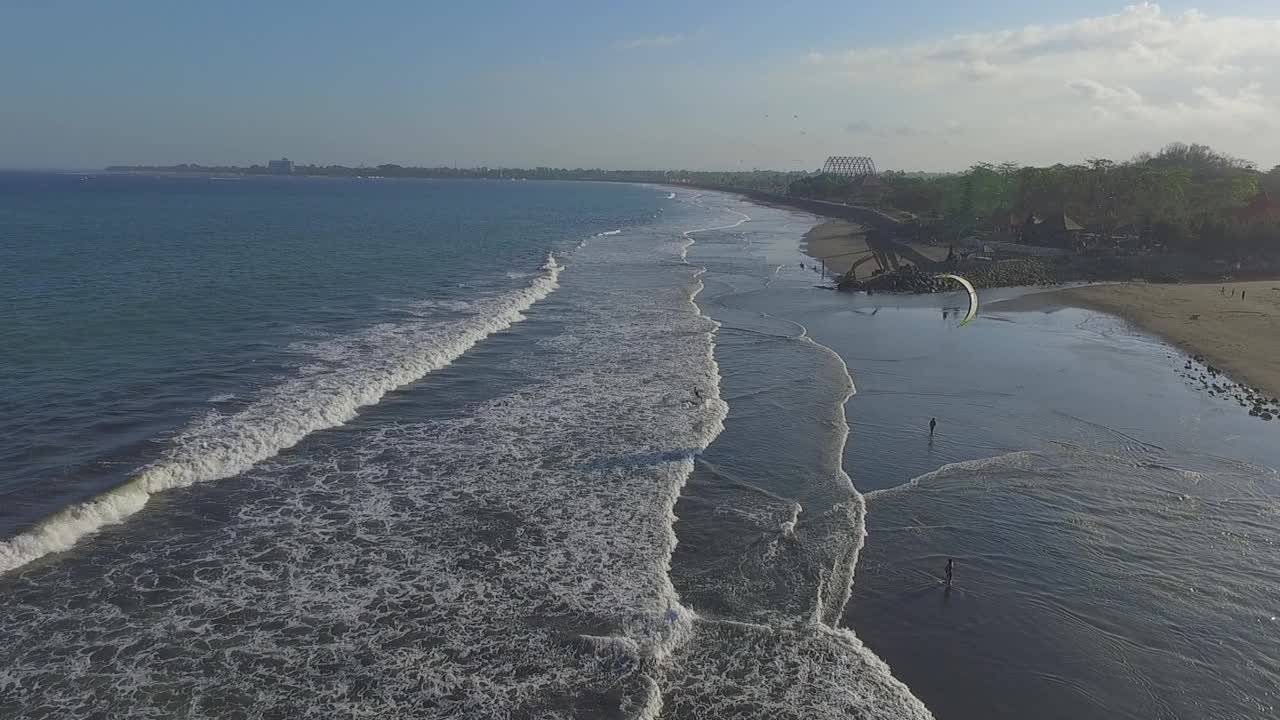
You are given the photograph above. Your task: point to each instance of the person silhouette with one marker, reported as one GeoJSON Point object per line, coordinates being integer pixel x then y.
{"type": "Point", "coordinates": [933, 424]}
{"type": "Point", "coordinates": [951, 567]}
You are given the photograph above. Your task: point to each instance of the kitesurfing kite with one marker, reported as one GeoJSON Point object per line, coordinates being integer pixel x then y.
{"type": "Point", "coordinates": [973, 297]}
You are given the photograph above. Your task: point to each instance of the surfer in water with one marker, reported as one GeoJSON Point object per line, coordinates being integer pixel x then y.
{"type": "Point", "coordinates": [933, 424]}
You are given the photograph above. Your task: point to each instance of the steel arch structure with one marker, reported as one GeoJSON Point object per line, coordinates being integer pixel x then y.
{"type": "Point", "coordinates": [849, 166]}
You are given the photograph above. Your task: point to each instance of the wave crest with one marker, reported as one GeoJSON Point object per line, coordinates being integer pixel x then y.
{"type": "Point", "coordinates": [361, 370]}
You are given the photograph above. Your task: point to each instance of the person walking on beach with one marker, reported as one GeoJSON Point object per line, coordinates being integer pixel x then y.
{"type": "Point", "coordinates": [1242, 295]}
{"type": "Point", "coordinates": [951, 566]}
{"type": "Point", "coordinates": [933, 424]}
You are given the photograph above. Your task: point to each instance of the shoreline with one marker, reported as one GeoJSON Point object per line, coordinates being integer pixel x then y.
{"type": "Point", "coordinates": [986, 491]}
{"type": "Point", "coordinates": [840, 244]}
{"type": "Point", "coordinates": [839, 241]}
{"type": "Point", "coordinates": [1238, 336]}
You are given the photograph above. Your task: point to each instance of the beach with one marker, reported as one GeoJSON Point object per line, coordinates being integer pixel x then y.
{"type": "Point", "coordinates": [840, 242]}
{"type": "Point", "coordinates": [1092, 493]}
{"type": "Point", "coordinates": [1233, 325]}
{"type": "Point", "coordinates": [655, 474]}
{"type": "Point", "coordinates": [1238, 335]}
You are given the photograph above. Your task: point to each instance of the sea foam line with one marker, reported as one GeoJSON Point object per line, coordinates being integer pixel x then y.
{"type": "Point", "coordinates": [229, 445]}
{"type": "Point", "coordinates": [679, 619]}
{"type": "Point", "coordinates": [1015, 459]}
{"type": "Point", "coordinates": [827, 611]}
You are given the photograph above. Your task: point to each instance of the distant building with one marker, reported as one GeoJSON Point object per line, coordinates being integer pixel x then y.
{"type": "Point", "coordinates": [1005, 224]}
{"type": "Point", "coordinates": [283, 166]}
{"type": "Point", "coordinates": [1051, 230]}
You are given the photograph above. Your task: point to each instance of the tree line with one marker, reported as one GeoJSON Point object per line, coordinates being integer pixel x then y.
{"type": "Point", "coordinates": [1187, 198]}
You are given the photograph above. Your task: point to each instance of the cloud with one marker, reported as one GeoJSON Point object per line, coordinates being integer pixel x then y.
{"type": "Point", "coordinates": [1140, 41]}
{"type": "Point", "coordinates": [1137, 78]}
{"type": "Point", "coordinates": [651, 41]}
{"type": "Point", "coordinates": [1096, 91]}
{"type": "Point", "coordinates": [859, 127]}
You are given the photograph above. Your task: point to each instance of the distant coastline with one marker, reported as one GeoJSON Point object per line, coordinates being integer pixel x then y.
{"type": "Point", "coordinates": [771, 180]}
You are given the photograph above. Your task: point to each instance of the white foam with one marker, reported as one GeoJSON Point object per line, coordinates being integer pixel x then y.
{"type": "Point", "coordinates": [507, 560]}
{"type": "Point", "coordinates": [510, 559]}
{"type": "Point", "coordinates": [1017, 459]}
{"type": "Point", "coordinates": [808, 671]}
{"type": "Point", "coordinates": [361, 369]}
{"type": "Point", "coordinates": [608, 233]}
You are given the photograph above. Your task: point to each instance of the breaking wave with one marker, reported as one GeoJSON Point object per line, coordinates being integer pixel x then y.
{"type": "Point", "coordinates": [352, 372]}
{"type": "Point", "coordinates": [967, 469]}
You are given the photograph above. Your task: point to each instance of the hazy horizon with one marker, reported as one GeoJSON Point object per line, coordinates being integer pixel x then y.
{"type": "Point", "coordinates": [919, 86]}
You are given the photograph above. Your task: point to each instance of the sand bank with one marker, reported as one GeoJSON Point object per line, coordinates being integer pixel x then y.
{"type": "Point", "coordinates": [841, 243]}
{"type": "Point", "coordinates": [1240, 336]}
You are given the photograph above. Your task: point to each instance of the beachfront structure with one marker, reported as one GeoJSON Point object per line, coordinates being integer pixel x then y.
{"type": "Point", "coordinates": [1055, 229]}
{"type": "Point", "coordinates": [1005, 224]}
{"type": "Point", "coordinates": [283, 166]}
{"type": "Point", "coordinates": [848, 166]}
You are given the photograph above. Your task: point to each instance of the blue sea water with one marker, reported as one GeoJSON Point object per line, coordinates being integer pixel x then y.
{"type": "Point", "coordinates": [292, 447]}
{"type": "Point", "coordinates": [137, 305]}
{"type": "Point", "coordinates": [317, 448]}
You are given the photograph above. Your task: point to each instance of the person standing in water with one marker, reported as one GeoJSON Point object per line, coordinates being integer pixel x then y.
{"type": "Point", "coordinates": [933, 424]}
{"type": "Point", "coordinates": [951, 566]}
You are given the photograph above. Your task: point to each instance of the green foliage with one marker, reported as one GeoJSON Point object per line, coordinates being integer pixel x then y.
{"type": "Point", "coordinates": [1185, 197]}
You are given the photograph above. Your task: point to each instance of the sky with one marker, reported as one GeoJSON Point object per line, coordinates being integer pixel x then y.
{"type": "Point", "coordinates": [663, 84]}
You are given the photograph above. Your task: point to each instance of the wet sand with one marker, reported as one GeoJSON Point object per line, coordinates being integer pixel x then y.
{"type": "Point", "coordinates": [842, 243]}
{"type": "Point", "coordinates": [1242, 337]}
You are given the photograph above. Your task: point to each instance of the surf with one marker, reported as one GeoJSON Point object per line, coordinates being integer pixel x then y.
{"type": "Point", "coordinates": [361, 370]}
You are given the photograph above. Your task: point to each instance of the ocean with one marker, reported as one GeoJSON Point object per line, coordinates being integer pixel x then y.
{"type": "Point", "coordinates": [307, 447]}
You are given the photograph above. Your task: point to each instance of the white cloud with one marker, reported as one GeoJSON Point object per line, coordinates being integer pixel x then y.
{"type": "Point", "coordinates": [1134, 79]}
{"type": "Point", "coordinates": [651, 41]}
{"type": "Point", "coordinates": [1097, 92]}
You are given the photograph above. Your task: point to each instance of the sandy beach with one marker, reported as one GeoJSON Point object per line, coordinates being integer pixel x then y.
{"type": "Point", "coordinates": [841, 243]}
{"type": "Point", "coordinates": [1240, 336]}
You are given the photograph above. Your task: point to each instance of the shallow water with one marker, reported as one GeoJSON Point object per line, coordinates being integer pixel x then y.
{"type": "Point", "coordinates": [1113, 525]}
{"type": "Point", "coordinates": [621, 483]}
{"type": "Point", "coordinates": [457, 524]}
